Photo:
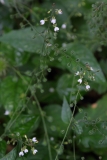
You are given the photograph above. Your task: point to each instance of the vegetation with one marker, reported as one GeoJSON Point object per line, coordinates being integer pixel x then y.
{"type": "Point", "coordinates": [53, 80]}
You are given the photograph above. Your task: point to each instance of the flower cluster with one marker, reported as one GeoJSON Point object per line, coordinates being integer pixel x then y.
{"type": "Point", "coordinates": [80, 80]}
{"type": "Point", "coordinates": [53, 20]}
{"type": "Point", "coordinates": [30, 143]}
{"type": "Point", "coordinates": [23, 150]}
{"type": "Point", "coordinates": [58, 11]}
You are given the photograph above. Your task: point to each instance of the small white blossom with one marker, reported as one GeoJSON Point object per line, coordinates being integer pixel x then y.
{"type": "Point", "coordinates": [21, 154]}
{"type": "Point", "coordinates": [2, 1]}
{"type": "Point", "coordinates": [80, 80]}
{"type": "Point", "coordinates": [34, 139]}
{"type": "Point", "coordinates": [87, 87]}
{"type": "Point", "coordinates": [48, 44]}
{"type": "Point", "coordinates": [52, 138]}
{"type": "Point", "coordinates": [51, 90]}
{"type": "Point", "coordinates": [93, 78]}
{"type": "Point", "coordinates": [56, 29]}
{"type": "Point", "coordinates": [34, 151]}
{"type": "Point", "coordinates": [7, 112]}
{"type": "Point", "coordinates": [91, 68]}
{"type": "Point", "coordinates": [42, 22]}
{"type": "Point", "coordinates": [59, 11]}
{"type": "Point", "coordinates": [63, 26]}
{"type": "Point", "coordinates": [64, 44]}
{"type": "Point", "coordinates": [53, 20]}
{"type": "Point", "coordinates": [77, 73]}
{"type": "Point", "coordinates": [26, 150]}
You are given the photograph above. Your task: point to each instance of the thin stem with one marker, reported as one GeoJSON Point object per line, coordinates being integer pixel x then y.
{"type": "Point", "coordinates": [21, 15]}
{"type": "Point", "coordinates": [56, 158]}
{"type": "Point", "coordinates": [20, 75]}
{"type": "Point", "coordinates": [14, 117]}
{"type": "Point", "coordinates": [74, 148]}
{"type": "Point", "coordinates": [44, 125]}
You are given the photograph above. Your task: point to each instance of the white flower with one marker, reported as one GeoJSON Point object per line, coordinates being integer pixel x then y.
{"type": "Point", "coordinates": [56, 29]}
{"type": "Point", "coordinates": [51, 90]}
{"type": "Point", "coordinates": [91, 68]}
{"type": "Point", "coordinates": [80, 80]}
{"type": "Point", "coordinates": [26, 150]}
{"type": "Point", "coordinates": [52, 138]}
{"type": "Point", "coordinates": [7, 112]}
{"type": "Point", "coordinates": [64, 44]}
{"type": "Point", "coordinates": [77, 73]}
{"type": "Point", "coordinates": [48, 44]}
{"type": "Point", "coordinates": [53, 20]}
{"type": "Point", "coordinates": [34, 151]}
{"type": "Point", "coordinates": [2, 1]}
{"type": "Point", "coordinates": [34, 139]}
{"type": "Point", "coordinates": [87, 87]}
{"type": "Point", "coordinates": [42, 22]}
{"type": "Point", "coordinates": [59, 11]}
{"type": "Point", "coordinates": [93, 78]}
{"type": "Point", "coordinates": [21, 154]}
{"type": "Point", "coordinates": [63, 26]}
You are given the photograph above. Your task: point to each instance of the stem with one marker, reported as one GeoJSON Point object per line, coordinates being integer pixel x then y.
{"type": "Point", "coordinates": [14, 117]}
{"type": "Point", "coordinates": [44, 125]}
{"type": "Point", "coordinates": [21, 15]}
{"type": "Point", "coordinates": [19, 74]}
{"type": "Point", "coordinates": [56, 158]}
{"type": "Point", "coordinates": [74, 148]}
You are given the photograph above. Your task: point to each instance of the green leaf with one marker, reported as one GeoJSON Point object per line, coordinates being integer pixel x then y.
{"type": "Point", "coordinates": [11, 155]}
{"type": "Point", "coordinates": [11, 90]}
{"type": "Point", "coordinates": [64, 89]}
{"type": "Point", "coordinates": [56, 127]}
{"type": "Point", "coordinates": [2, 148]}
{"type": "Point", "coordinates": [24, 39]}
{"type": "Point", "coordinates": [91, 127]}
{"type": "Point", "coordinates": [67, 86]}
{"type": "Point", "coordinates": [66, 112]}
{"type": "Point", "coordinates": [79, 52]}
{"type": "Point", "coordinates": [100, 88]}
{"type": "Point", "coordinates": [97, 110]}
{"type": "Point", "coordinates": [24, 124]}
